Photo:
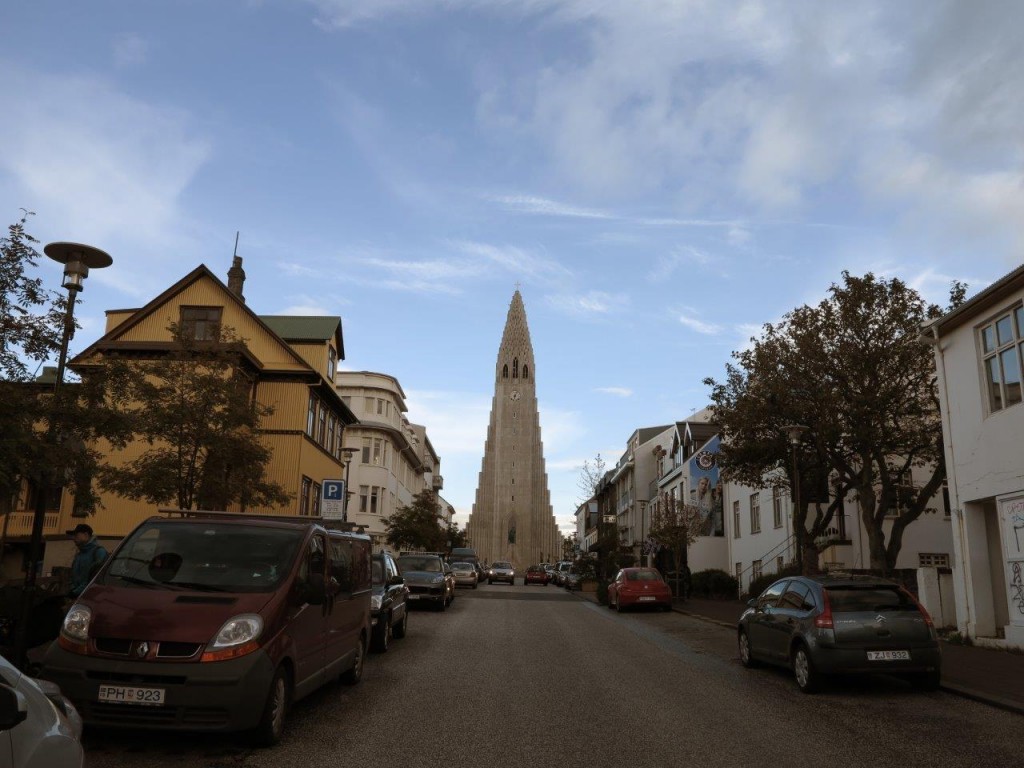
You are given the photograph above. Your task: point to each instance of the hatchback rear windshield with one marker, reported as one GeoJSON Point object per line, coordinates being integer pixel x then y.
{"type": "Point", "coordinates": [204, 556]}
{"type": "Point", "coordinates": [879, 598]}
{"type": "Point", "coordinates": [462, 567]}
{"type": "Point", "coordinates": [413, 563]}
{"type": "Point", "coordinates": [643, 576]}
{"type": "Point", "coordinates": [502, 565]}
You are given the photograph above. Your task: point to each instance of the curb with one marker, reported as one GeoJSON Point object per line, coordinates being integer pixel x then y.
{"type": "Point", "coordinates": [708, 619]}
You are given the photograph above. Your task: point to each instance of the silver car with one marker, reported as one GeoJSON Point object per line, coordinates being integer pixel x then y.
{"type": "Point", "coordinates": [465, 574]}
{"type": "Point", "coordinates": [501, 571]}
{"type": "Point", "coordinates": [38, 726]}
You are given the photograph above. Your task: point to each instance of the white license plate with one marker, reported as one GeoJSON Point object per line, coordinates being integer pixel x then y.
{"type": "Point", "coordinates": [120, 694]}
{"type": "Point", "coordinates": [414, 597]}
{"type": "Point", "coordinates": [646, 599]}
{"type": "Point", "coordinates": [888, 655]}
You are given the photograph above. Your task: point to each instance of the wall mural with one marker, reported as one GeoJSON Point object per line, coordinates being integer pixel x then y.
{"type": "Point", "coordinates": [706, 487]}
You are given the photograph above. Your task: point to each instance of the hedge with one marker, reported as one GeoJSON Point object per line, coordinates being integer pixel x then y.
{"type": "Point", "coordinates": [714, 583]}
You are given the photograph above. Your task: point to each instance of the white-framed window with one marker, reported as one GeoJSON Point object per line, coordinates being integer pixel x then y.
{"type": "Point", "coordinates": [1001, 361]}
{"type": "Point", "coordinates": [378, 451]}
{"type": "Point", "coordinates": [332, 362]}
{"type": "Point", "coordinates": [367, 448]}
{"type": "Point", "coordinates": [755, 570]}
{"type": "Point", "coordinates": [755, 513]}
{"type": "Point", "coordinates": [777, 507]}
{"type": "Point", "coordinates": [371, 404]}
{"type": "Point", "coordinates": [736, 519]}
{"type": "Point", "coordinates": [932, 560]}
{"type": "Point", "coordinates": [374, 499]}
{"type": "Point", "coordinates": [364, 498]}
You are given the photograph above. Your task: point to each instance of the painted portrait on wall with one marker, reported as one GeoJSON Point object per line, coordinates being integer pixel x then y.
{"type": "Point", "coordinates": [706, 487]}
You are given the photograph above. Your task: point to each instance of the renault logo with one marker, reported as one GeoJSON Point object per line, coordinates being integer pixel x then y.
{"type": "Point", "coordinates": [142, 649]}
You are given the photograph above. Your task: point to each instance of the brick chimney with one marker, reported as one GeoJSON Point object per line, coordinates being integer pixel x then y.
{"type": "Point", "coordinates": [236, 277]}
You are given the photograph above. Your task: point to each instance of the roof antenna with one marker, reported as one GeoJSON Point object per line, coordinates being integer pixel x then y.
{"type": "Point", "coordinates": [237, 233]}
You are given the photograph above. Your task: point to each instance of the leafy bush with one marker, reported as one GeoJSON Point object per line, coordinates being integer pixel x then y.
{"type": "Point", "coordinates": [713, 583]}
{"type": "Point", "coordinates": [765, 580]}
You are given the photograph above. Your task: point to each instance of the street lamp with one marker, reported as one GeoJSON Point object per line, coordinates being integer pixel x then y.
{"type": "Point", "coordinates": [77, 259]}
{"type": "Point", "coordinates": [349, 453]}
{"type": "Point", "coordinates": [795, 432]}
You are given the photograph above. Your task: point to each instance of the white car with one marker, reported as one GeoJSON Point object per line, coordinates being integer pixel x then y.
{"type": "Point", "coordinates": [39, 728]}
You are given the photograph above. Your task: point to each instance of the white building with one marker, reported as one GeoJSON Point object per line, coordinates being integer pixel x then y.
{"type": "Point", "coordinates": [391, 459]}
{"type": "Point", "coordinates": [978, 358]}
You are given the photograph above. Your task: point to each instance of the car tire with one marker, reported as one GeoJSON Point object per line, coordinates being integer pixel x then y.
{"type": "Point", "coordinates": [382, 637]}
{"type": "Point", "coordinates": [271, 725]}
{"type": "Point", "coordinates": [927, 681]}
{"type": "Point", "coordinates": [475, 585]}
{"type": "Point", "coordinates": [403, 626]}
{"type": "Point", "coordinates": [746, 655]}
{"type": "Point", "coordinates": [618, 605]}
{"type": "Point", "coordinates": [442, 605]}
{"type": "Point", "coordinates": [355, 674]}
{"type": "Point", "coordinates": [807, 678]}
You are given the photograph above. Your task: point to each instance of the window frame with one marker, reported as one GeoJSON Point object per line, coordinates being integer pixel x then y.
{"type": "Point", "coordinates": [210, 327]}
{"type": "Point", "coordinates": [755, 512]}
{"type": "Point", "coordinates": [1015, 315]}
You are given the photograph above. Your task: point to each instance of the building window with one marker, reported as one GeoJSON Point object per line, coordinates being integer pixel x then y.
{"type": "Point", "coordinates": [200, 323]}
{"type": "Point", "coordinates": [380, 407]}
{"type": "Point", "coordinates": [364, 498]}
{"type": "Point", "coordinates": [780, 563]}
{"type": "Point", "coordinates": [331, 429]}
{"type": "Point", "coordinates": [777, 507]}
{"type": "Point", "coordinates": [739, 574]}
{"type": "Point", "coordinates": [903, 496]}
{"type": "Point", "coordinates": [321, 430]}
{"type": "Point", "coordinates": [370, 404]}
{"type": "Point", "coordinates": [947, 510]}
{"type": "Point", "coordinates": [755, 570]}
{"type": "Point", "coordinates": [315, 510]}
{"type": "Point", "coordinates": [307, 485]}
{"type": "Point", "coordinates": [378, 451]}
{"type": "Point", "coordinates": [526, 371]}
{"type": "Point", "coordinates": [311, 415]}
{"type": "Point", "coordinates": [504, 371]}
{"type": "Point", "coordinates": [374, 494]}
{"type": "Point", "coordinates": [755, 513]}
{"type": "Point", "coordinates": [932, 560]}
{"type": "Point", "coordinates": [332, 363]}
{"type": "Point", "coordinates": [515, 367]}
{"type": "Point", "coordinates": [1001, 350]}
{"type": "Point", "coordinates": [736, 519]}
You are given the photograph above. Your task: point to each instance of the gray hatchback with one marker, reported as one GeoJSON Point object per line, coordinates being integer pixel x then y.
{"type": "Point", "coordinates": [825, 625]}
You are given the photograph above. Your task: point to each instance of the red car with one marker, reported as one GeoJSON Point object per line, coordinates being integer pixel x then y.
{"type": "Point", "coordinates": [536, 574]}
{"type": "Point", "coordinates": [639, 586]}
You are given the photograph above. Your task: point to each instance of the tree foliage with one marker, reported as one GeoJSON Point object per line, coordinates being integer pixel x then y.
{"type": "Point", "coordinates": [853, 371]}
{"type": "Point", "coordinates": [675, 526]}
{"type": "Point", "coordinates": [418, 525]}
{"type": "Point", "coordinates": [196, 410]}
{"type": "Point", "coordinates": [591, 475]}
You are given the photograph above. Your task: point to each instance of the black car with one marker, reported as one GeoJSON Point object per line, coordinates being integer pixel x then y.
{"type": "Point", "coordinates": [389, 616]}
{"type": "Point", "coordinates": [822, 625]}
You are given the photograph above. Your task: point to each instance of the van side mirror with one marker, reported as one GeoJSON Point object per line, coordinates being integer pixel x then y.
{"type": "Point", "coordinates": [396, 581]}
{"type": "Point", "coordinates": [752, 602]}
{"type": "Point", "coordinates": [13, 708]}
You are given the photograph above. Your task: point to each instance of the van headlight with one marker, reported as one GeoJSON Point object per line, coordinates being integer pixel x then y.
{"type": "Point", "coordinates": [76, 623]}
{"type": "Point", "coordinates": [375, 602]}
{"type": "Point", "coordinates": [237, 631]}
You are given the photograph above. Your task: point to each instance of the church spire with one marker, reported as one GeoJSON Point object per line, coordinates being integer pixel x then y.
{"type": "Point", "coordinates": [515, 355]}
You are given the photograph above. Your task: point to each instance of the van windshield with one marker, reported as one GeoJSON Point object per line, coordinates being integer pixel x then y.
{"type": "Point", "coordinates": [204, 556]}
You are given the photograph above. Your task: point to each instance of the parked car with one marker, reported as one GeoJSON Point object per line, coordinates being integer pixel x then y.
{"type": "Point", "coordinates": [638, 587]}
{"type": "Point", "coordinates": [464, 574]}
{"type": "Point", "coordinates": [389, 615]}
{"type": "Point", "coordinates": [481, 572]}
{"type": "Point", "coordinates": [428, 578]}
{"type": "Point", "coordinates": [561, 571]}
{"type": "Point", "coordinates": [823, 625]}
{"type": "Point", "coordinates": [549, 569]}
{"type": "Point", "coordinates": [215, 622]}
{"type": "Point", "coordinates": [501, 571]}
{"type": "Point", "coordinates": [536, 574]}
{"type": "Point", "coordinates": [38, 726]}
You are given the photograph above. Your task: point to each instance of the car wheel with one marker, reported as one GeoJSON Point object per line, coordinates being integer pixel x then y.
{"type": "Point", "coordinates": [268, 732]}
{"type": "Point", "coordinates": [382, 637]}
{"type": "Point", "coordinates": [475, 585]}
{"type": "Point", "coordinates": [403, 626]}
{"type": "Point", "coordinates": [354, 675]}
{"type": "Point", "coordinates": [746, 657]}
{"type": "Point", "coordinates": [807, 678]}
{"type": "Point", "coordinates": [927, 681]}
{"type": "Point", "coordinates": [618, 605]}
{"type": "Point", "coordinates": [442, 604]}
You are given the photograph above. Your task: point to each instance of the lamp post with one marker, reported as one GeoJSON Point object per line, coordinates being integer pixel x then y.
{"type": "Point", "coordinates": [77, 259]}
{"type": "Point", "coordinates": [795, 432]}
{"type": "Point", "coordinates": [349, 453]}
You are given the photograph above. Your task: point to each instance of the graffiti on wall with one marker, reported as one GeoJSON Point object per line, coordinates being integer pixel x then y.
{"type": "Point", "coordinates": [1017, 587]}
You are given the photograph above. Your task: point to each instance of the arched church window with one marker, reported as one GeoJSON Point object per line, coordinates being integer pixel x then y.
{"type": "Point", "coordinates": [504, 371]}
{"type": "Point", "coordinates": [515, 367]}
{"type": "Point", "coordinates": [526, 371]}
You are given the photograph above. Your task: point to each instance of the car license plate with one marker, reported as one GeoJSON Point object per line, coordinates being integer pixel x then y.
{"type": "Point", "coordinates": [647, 599]}
{"type": "Point", "coordinates": [888, 655]}
{"type": "Point", "coordinates": [414, 597]}
{"type": "Point", "coordinates": [120, 694]}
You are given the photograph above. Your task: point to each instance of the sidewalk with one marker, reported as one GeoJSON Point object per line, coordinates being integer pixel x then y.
{"type": "Point", "coordinates": [990, 676]}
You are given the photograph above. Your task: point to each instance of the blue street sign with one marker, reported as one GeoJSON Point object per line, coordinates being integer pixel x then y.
{"type": "Point", "coordinates": [332, 500]}
{"type": "Point", "coordinates": [334, 490]}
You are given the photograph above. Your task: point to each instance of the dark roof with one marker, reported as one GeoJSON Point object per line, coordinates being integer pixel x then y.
{"type": "Point", "coordinates": [995, 293]}
{"type": "Point", "coordinates": [648, 433]}
{"type": "Point", "coordinates": [303, 327]}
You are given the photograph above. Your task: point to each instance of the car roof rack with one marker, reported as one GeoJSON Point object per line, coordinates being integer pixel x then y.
{"type": "Point", "coordinates": [338, 525]}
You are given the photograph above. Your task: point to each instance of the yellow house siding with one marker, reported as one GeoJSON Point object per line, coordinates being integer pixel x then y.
{"type": "Point", "coordinates": [290, 401]}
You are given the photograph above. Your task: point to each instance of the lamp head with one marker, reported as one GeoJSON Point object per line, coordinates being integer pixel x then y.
{"type": "Point", "coordinates": [795, 432]}
{"type": "Point", "coordinates": [77, 259]}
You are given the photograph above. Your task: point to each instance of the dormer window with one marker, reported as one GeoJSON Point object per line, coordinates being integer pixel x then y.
{"type": "Point", "coordinates": [200, 323]}
{"type": "Point", "coordinates": [332, 362]}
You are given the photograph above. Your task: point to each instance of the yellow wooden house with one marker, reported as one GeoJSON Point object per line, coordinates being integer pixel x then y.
{"type": "Point", "coordinates": [294, 359]}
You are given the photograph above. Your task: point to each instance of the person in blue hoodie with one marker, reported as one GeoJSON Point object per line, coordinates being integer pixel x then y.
{"type": "Point", "coordinates": [87, 560]}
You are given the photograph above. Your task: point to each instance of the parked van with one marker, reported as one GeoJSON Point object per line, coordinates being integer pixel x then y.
{"type": "Point", "coordinates": [215, 622]}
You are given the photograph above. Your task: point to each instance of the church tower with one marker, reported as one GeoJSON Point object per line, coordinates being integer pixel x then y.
{"type": "Point", "coordinates": [512, 518]}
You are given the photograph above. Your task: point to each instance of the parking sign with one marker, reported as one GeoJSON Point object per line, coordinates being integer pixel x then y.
{"type": "Point", "coordinates": [332, 500]}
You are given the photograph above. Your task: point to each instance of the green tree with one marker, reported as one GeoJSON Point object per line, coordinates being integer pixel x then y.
{"type": "Point", "coordinates": [418, 526]}
{"type": "Point", "coordinates": [196, 409]}
{"type": "Point", "coordinates": [853, 370]}
{"type": "Point", "coordinates": [455, 536]}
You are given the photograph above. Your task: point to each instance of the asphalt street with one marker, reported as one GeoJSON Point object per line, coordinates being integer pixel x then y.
{"type": "Point", "coordinates": [533, 676]}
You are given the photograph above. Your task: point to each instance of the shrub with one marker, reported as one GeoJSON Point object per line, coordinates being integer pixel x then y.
{"type": "Point", "coordinates": [765, 580]}
{"type": "Point", "coordinates": [713, 583]}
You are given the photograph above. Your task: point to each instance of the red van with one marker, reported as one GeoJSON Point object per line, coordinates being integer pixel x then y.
{"type": "Point", "coordinates": [216, 622]}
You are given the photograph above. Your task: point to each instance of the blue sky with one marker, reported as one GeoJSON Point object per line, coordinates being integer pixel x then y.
{"type": "Point", "coordinates": [662, 176]}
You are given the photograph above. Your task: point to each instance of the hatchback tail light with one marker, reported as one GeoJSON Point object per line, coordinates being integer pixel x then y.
{"type": "Point", "coordinates": [824, 619]}
{"type": "Point", "coordinates": [924, 612]}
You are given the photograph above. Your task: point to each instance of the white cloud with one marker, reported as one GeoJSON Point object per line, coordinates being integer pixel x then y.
{"type": "Point", "coordinates": [700, 326]}
{"type": "Point", "coordinates": [544, 207]}
{"type": "Point", "coordinates": [682, 256]}
{"type": "Point", "coordinates": [617, 391]}
{"type": "Point", "coordinates": [514, 260]}
{"type": "Point", "coordinates": [590, 304]}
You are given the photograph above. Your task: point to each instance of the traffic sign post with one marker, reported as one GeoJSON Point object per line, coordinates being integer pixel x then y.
{"type": "Point", "coordinates": [332, 500]}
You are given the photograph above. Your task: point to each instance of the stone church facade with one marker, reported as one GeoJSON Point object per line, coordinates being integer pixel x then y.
{"type": "Point", "coordinates": [512, 517]}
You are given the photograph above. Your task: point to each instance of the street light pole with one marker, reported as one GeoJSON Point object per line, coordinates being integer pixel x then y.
{"type": "Point", "coordinates": [795, 432]}
{"type": "Point", "coordinates": [349, 452]}
{"type": "Point", "coordinates": [77, 259]}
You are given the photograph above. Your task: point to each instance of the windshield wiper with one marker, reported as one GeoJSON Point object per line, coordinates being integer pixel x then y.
{"type": "Point", "coordinates": [140, 582]}
{"type": "Point", "coordinates": [198, 586]}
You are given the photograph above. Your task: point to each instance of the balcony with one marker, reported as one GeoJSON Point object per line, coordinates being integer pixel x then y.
{"type": "Point", "coordinates": [437, 483]}
{"type": "Point", "coordinates": [20, 524]}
